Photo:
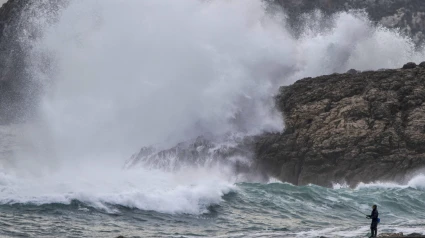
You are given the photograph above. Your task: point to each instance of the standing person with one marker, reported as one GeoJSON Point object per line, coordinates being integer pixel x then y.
{"type": "Point", "coordinates": [374, 224]}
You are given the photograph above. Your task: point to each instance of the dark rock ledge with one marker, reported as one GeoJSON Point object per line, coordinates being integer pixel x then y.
{"type": "Point", "coordinates": [353, 127]}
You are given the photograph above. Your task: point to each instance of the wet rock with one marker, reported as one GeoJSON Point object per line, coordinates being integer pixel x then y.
{"type": "Point", "coordinates": [391, 235]}
{"type": "Point", "coordinates": [409, 65]}
{"type": "Point", "coordinates": [415, 235]}
{"type": "Point", "coordinates": [406, 15]}
{"type": "Point", "coordinates": [206, 151]}
{"type": "Point", "coordinates": [353, 71]}
{"type": "Point", "coordinates": [349, 128]}
{"type": "Point", "coordinates": [400, 235]}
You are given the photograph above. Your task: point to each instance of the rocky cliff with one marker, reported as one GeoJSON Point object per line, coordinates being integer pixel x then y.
{"type": "Point", "coordinates": [406, 15]}
{"type": "Point", "coordinates": [353, 127]}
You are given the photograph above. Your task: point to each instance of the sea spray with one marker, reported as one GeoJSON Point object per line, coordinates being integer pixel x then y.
{"type": "Point", "coordinates": [176, 71]}
{"type": "Point", "coordinates": [127, 74]}
{"type": "Point", "coordinates": [189, 192]}
{"type": "Point", "coordinates": [417, 182]}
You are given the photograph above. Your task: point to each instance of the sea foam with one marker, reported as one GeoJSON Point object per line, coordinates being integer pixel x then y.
{"type": "Point", "coordinates": [119, 75]}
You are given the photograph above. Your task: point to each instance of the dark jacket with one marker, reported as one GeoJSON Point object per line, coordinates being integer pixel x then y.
{"type": "Point", "coordinates": [374, 217]}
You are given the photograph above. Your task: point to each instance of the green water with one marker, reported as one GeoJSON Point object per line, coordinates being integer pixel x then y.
{"type": "Point", "coordinates": [249, 210]}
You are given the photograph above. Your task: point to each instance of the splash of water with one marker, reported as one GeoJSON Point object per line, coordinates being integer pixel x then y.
{"type": "Point", "coordinates": [417, 182]}
{"type": "Point", "coordinates": [124, 74]}
{"type": "Point", "coordinates": [137, 73]}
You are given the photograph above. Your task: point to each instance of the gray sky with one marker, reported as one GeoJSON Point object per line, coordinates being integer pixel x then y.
{"type": "Point", "coordinates": [2, 1]}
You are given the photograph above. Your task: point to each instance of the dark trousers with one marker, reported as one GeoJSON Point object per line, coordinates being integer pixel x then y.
{"type": "Point", "coordinates": [374, 231]}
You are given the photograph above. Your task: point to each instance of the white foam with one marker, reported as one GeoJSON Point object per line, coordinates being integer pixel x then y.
{"type": "Point", "coordinates": [133, 73]}
{"type": "Point", "coordinates": [340, 185]}
{"type": "Point", "coordinates": [189, 192]}
{"type": "Point", "coordinates": [273, 180]}
{"type": "Point", "coordinates": [417, 182]}
{"type": "Point", "coordinates": [125, 74]}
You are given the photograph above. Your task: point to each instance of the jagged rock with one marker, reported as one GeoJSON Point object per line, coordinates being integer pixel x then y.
{"type": "Point", "coordinates": [408, 16]}
{"type": "Point", "coordinates": [422, 64]}
{"type": "Point", "coordinates": [400, 235]}
{"type": "Point", "coordinates": [204, 151]}
{"type": "Point", "coordinates": [391, 235]}
{"type": "Point", "coordinates": [415, 235]}
{"type": "Point", "coordinates": [353, 71]}
{"type": "Point", "coordinates": [349, 128]}
{"type": "Point", "coordinates": [409, 65]}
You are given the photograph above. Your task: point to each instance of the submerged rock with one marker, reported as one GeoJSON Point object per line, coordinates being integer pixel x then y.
{"type": "Point", "coordinates": [416, 235]}
{"type": "Point", "coordinates": [349, 128]}
{"type": "Point", "coordinates": [391, 235]}
{"type": "Point", "coordinates": [400, 235]}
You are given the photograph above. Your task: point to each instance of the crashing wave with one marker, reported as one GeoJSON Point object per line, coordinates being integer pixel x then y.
{"type": "Point", "coordinates": [231, 151]}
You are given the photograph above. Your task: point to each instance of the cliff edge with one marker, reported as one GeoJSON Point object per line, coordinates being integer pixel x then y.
{"type": "Point", "coordinates": [353, 127]}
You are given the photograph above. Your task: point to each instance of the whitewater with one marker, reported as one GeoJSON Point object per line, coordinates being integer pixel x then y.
{"type": "Point", "coordinates": [117, 76]}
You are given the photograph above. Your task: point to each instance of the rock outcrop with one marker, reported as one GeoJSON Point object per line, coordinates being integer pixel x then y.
{"type": "Point", "coordinates": [406, 15]}
{"type": "Point", "coordinates": [233, 152]}
{"type": "Point", "coordinates": [400, 235]}
{"type": "Point", "coordinates": [350, 128]}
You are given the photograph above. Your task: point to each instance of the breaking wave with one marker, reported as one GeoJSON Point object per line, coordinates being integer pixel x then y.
{"type": "Point", "coordinates": [119, 75]}
{"type": "Point", "coordinates": [417, 182]}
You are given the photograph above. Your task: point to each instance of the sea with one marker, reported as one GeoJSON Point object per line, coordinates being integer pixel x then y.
{"type": "Point", "coordinates": [115, 76]}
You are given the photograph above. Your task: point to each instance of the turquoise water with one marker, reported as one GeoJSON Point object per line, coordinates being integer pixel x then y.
{"type": "Point", "coordinates": [248, 210]}
{"type": "Point", "coordinates": [123, 74]}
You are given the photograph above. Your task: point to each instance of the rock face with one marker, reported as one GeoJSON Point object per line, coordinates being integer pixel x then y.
{"type": "Point", "coordinates": [235, 153]}
{"type": "Point", "coordinates": [406, 15]}
{"type": "Point", "coordinates": [349, 128]}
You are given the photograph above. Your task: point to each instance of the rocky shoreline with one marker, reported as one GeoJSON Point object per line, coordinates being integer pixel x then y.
{"type": "Point", "coordinates": [341, 128]}
{"type": "Point", "coordinates": [395, 235]}
{"type": "Point", "coordinates": [400, 235]}
{"type": "Point", "coordinates": [349, 128]}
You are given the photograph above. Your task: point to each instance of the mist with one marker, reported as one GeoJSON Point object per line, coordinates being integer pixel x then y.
{"type": "Point", "coordinates": [125, 74]}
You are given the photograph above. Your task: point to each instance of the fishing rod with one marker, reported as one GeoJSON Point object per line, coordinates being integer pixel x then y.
{"type": "Point", "coordinates": [354, 209]}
